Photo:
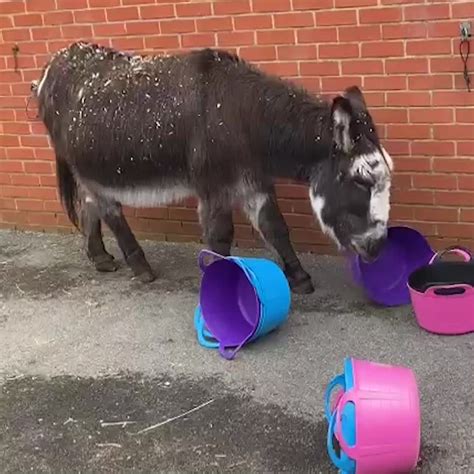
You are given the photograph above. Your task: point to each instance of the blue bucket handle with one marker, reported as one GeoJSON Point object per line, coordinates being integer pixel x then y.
{"type": "Point", "coordinates": [338, 381]}
{"type": "Point", "coordinates": [204, 337]}
{"type": "Point", "coordinates": [337, 461]}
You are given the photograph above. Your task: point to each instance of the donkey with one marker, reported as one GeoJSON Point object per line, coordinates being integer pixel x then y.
{"type": "Point", "coordinates": [146, 131]}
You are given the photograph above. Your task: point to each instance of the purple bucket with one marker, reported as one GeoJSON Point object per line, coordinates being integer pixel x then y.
{"type": "Point", "coordinates": [385, 281]}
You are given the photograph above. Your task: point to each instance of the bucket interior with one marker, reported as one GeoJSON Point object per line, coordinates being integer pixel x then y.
{"type": "Point", "coordinates": [442, 274]}
{"type": "Point", "coordinates": [229, 303]}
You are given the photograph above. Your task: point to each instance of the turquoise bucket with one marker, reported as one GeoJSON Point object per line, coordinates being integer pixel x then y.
{"type": "Point", "coordinates": [241, 300]}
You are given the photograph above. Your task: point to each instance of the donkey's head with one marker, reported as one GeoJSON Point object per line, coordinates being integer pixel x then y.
{"type": "Point", "coordinates": [350, 192]}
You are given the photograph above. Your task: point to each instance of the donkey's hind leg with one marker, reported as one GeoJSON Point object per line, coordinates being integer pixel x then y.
{"type": "Point", "coordinates": [111, 213]}
{"type": "Point", "coordinates": [263, 212]}
{"type": "Point", "coordinates": [91, 228]}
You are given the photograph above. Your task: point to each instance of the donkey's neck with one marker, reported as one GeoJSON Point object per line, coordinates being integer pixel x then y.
{"type": "Point", "coordinates": [297, 132]}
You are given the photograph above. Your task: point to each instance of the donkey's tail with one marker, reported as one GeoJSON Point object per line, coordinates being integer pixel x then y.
{"type": "Point", "coordinates": [68, 191]}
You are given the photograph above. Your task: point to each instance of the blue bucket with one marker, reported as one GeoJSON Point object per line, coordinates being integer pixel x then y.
{"type": "Point", "coordinates": [241, 300]}
{"type": "Point", "coordinates": [345, 381]}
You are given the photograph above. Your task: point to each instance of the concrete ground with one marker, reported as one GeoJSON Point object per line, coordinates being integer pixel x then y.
{"type": "Point", "coordinates": [88, 361]}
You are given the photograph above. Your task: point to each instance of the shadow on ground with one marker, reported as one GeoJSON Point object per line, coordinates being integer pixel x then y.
{"type": "Point", "coordinates": [70, 424]}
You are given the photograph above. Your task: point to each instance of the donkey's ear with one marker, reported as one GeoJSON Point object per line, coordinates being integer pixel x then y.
{"type": "Point", "coordinates": [341, 118]}
{"type": "Point", "coordinates": [354, 94]}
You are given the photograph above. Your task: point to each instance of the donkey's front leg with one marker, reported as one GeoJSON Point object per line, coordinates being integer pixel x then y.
{"type": "Point", "coordinates": [111, 213]}
{"type": "Point", "coordinates": [266, 217]}
{"type": "Point", "coordinates": [217, 224]}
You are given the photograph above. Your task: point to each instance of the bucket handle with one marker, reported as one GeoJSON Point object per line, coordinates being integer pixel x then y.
{"type": "Point", "coordinates": [208, 254]}
{"type": "Point", "coordinates": [202, 334]}
{"type": "Point", "coordinates": [461, 251]}
{"type": "Point", "coordinates": [450, 291]}
{"type": "Point", "coordinates": [337, 461]}
{"type": "Point", "coordinates": [338, 381]}
{"type": "Point", "coordinates": [230, 354]}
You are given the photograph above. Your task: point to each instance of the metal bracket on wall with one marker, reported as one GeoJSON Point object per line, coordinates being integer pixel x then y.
{"type": "Point", "coordinates": [465, 49]}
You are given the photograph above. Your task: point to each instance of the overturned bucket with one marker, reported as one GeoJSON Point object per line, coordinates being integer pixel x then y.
{"type": "Point", "coordinates": [241, 299]}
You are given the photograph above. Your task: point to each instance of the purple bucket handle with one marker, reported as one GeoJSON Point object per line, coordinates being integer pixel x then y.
{"type": "Point", "coordinates": [461, 251]}
{"type": "Point", "coordinates": [207, 253]}
{"type": "Point", "coordinates": [230, 354]}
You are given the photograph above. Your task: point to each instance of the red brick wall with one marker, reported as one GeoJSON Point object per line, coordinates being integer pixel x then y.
{"type": "Point", "coordinates": [404, 53]}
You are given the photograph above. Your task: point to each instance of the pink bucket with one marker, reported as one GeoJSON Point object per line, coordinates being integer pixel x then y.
{"type": "Point", "coordinates": [377, 420]}
{"type": "Point", "coordinates": [442, 293]}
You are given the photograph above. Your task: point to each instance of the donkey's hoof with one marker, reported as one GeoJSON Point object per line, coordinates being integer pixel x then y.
{"type": "Point", "coordinates": [146, 277]}
{"type": "Point", "coordinates": [301, 286]}
{"type": "Point", "coordinates": [105, 263]}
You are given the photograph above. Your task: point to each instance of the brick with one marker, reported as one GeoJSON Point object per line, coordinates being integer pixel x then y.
{"type": "Point", "coordinates": [5, 22]}
{"type": "Point", "coordinates": [364, 67]}
{"type": "Point", "coordinates": [12, 7]}
{"type": "Point", "coordinates": [77, 31]}
{"type": "Point", "coordinates": [323, 68]}
{"type": "Point", "coordinates": [454, 198]}
{"type": "Point", "coordinates": [465, 148]}
{"type": "Point", "coordinates": [406, 66]}
{"type": "Point", "coordinates": [463, 10]}
{"type": "Point", "coordinates": [235, 38]}
{"type": "Point", "coordinates": [453, 98]}
{"type": "Point", "coordinates": [30, 19]}
{"type": "Point", "coordinates": [260, 6]}
{"type": "Point", "coordinates": [22, 34]}
{"type": "Point", "coordinates": [336, 18]}
{"type": "Point", "coordinates": [129, 44]}
{"type": "Point", "coordinates": [177, 26]}
{"type": "Point", "coordinates": [432, 148]}
{"type": "Point", "coordinates": [4, 180]}
{"type": "Point", "coordinates": [7, 203]}
{"type": "Point", "coordinates": [275, 37]}
{"type": "Point", "coordinates": [338, 51]}
{"type": "Point", "coordinates": [404, 31]}
{"type": "Point", "coordinates": [407, 99]}
{"type": "Point", "coordinates": [382, 49]}
{"type": "Point", "coordinates": [433, 181]}
{"type": "Point", "coordinates": [11, 166]}
{"type": "Point", "coordinates": [89, 16]}
{"type": "Point", "coordinates": [40, 5]}
{"type": "Point", "coordinates": [253, 22]}
{"type": "Point", "coordinates": [232, 7]}
{"type": "Point", "coordinates": [466, 182]}
{"type": "Point", "coordinates": [214, 24]}
{"type": "Point", "coordinates": [300, 221]}
{"type": "Point", "coordinates": [336, 84]}
{"type": "Point", "coordinates": [162, 42]}
{"type": "Point", "coordinates": [183, 214]}
{"type": "Point", "coordinates": [467, 216]}
{"type": "Point", "coordinates": [198, 40]}
{"type": "Point", "coordinates": [412, 163]}
{"type": "Point", "coordinates": [122, 14]}
{"type": "Point", "coordinates": [312, 4]}
{"type": "Point", "coordinates": [453, 165]}
{"type": "Point", "coordinates": [456, 230]}
{"type": "Point", "coordinates": [362, 33]}
{"type": "Point", "coordinates": [283, 69]}
{"type": "Point", "coordinates": [444, 65]}
{"type": "Point", "coordinates": [20, 153]}
{"type": "Point", "coordinates": [453, 132]}
{"type": "Point", "coordinates": [291, 191]}
{"type": "Point", "coordinates": [390, 115]}
{"type": "Point", "coordinates": [317, 35]}
{"type": "Point", "coordinates": [428, 12]}
{"type": "Point", "coordinates": [431, 82]}
{"type": "Point", "coordinates": [34, 141]}
{"type": "Point", "coordinates": [16, 128]}
{"type": "Point", "coordinates": [293, 20]}
{"type": "Point", "coordinates": [142, 28]}
{"type": "Point", "coordinates": [380, 15]}
{"type": "Point", "coordinates": [297, 52]}
{"type": "Point", "coordinates": [103, 3]}
{"type": "Point", "coordinates": [58, 18]}
{"type": "Point", "coordinates": [258, 53]}
{"type": "Point", "coordinates": [436, 214]}
{"type": "Point", "coordinates": [355, 3]}
{"type": "Point", "coordinates": [193, 9]}
{"type": "Point", "coordinates": [29, 205]}
{"type": "Point", "coordinates": [156, 11]}
{"type": "Point", "coordinates": [71, 4]}
{"type": "Point", "coordinates": [465, 115]}
{"type": "Point", "coordinates": [431, 115]}
{"type": "Point", "coordinates": [434, 47]}
{"type": "Point", "coordinates": [389, 83]}
{"type": "Point", "coordinates": [25, 180]}
{"type": "Point", "coordinates": [411, 131]}
{"type": "Point", "coordinates": [440, 29]}
{"type": "Point", "coordinates": [9, 140]}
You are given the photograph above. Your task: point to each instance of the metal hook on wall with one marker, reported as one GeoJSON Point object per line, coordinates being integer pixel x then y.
{"type": "Point", "coordinates": [465, 50]}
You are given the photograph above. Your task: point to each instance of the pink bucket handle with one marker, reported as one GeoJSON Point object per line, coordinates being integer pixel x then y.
{"type": "Point", "coordinates": [451, 291]}
{"type": "Point", "coordinates": [461, 251]}
{"type": "Point", "coordinates": [355, 452]}
{"type": "Point", "coordinates": [206, 255]}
